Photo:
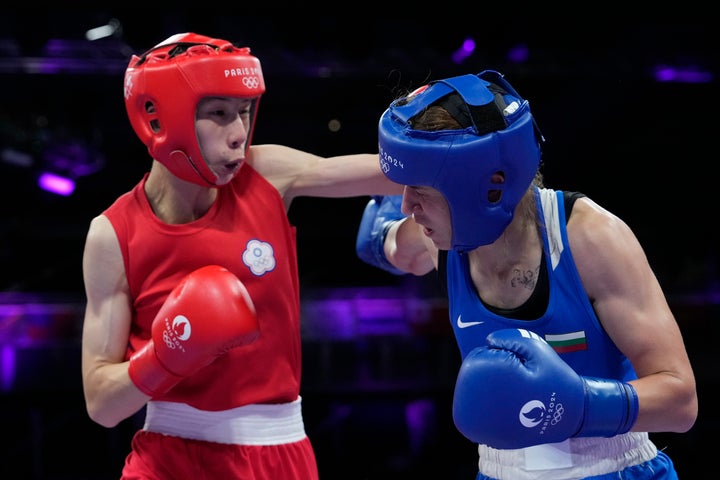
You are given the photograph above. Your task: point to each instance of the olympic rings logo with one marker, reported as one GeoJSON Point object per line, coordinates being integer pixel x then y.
{"type": "Point", "coordinates": [387, 162]}
{"type": "Point", "coordinates": [168, 341]}
{"type": "Point", "coordinates": [251, 82]}
{"type": "Point", "coordinates": [177, 331]}
{"type": "Point", "coordinates": [557, 414]}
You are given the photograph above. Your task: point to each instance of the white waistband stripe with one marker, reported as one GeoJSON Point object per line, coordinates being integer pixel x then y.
{"type": "Point", "coordinates": [247, 425]}
{"type": "Point", "coordinates": [581, 458]}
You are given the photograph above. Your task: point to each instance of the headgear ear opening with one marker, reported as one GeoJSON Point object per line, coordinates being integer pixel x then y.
{"type": "Point", "coordinates": [173, 77]}
{"type": "Point", "coordinates": [498, 135]}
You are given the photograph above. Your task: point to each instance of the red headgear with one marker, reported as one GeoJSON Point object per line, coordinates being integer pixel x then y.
{"type": "Point", "coordinates": [165, 84]}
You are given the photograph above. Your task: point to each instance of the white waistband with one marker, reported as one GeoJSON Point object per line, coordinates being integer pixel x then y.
{"type": "Point", "coordinates": [572, 459]}
{"type": "Point", "coordinates": [270, 424]}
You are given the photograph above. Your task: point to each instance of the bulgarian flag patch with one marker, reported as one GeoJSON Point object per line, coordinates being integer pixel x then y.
{"type": "Point", "coordinates": [568, 342]}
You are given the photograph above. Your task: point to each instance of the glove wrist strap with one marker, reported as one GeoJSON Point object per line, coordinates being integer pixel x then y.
{"type": "Point", "coordinates": [611, 408]}
{"type": "Point", "coordinates": [148, 374]}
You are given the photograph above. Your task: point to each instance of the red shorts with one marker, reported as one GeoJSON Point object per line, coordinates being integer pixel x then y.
{"type": "Point", "coordinates": [155, 456]}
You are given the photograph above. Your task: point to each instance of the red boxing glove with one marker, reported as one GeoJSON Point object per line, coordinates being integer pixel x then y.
{"type": "Point", "coordinates": [208, 313]}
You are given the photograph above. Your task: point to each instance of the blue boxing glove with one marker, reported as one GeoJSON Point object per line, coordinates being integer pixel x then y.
{"type": "Point", "coordinates": [379, 215]}
{"type": "Point", "coordinates": [517, 392]}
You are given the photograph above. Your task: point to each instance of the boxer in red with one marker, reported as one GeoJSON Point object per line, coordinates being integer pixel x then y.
{"type": "Point", "coordinates": [192, 280]}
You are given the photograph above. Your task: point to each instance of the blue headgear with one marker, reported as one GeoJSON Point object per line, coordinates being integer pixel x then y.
{"type": "Point", "coordinates": [461, 163]}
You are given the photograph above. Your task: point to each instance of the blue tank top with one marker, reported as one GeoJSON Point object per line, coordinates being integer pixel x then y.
{"type": "Point", "coordinates": [568, 324]}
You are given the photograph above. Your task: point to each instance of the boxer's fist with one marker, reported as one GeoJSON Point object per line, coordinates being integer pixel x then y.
{"type": "Point", "coordinates": [379, 215]}
{"type": "Point", "coordinates": [516, 392]}
{"type": "Point", "coordinates": [207, 313]}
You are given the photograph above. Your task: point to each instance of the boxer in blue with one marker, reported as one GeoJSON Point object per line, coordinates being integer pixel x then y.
{"type": "Point", "coordinates": [571, 354]}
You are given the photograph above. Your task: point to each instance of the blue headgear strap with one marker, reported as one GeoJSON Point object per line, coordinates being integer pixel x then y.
{"type": "Point", "coordinates": [461, 163]}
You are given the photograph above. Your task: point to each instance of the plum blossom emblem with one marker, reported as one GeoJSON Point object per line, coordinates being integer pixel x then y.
{"type": "Point", "coordinates": [259, 257]}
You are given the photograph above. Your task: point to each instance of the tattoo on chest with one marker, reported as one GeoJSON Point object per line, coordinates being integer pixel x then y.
{"type": "Point", "coordinates": [524, 278]}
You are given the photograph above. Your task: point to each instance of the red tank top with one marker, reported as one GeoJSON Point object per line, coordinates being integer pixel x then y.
{"type": "Point", "coordinates": [248, 232]}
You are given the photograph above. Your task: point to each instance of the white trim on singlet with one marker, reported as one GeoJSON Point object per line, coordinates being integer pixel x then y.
{"type": "Point", "coordinates": [549, 200]}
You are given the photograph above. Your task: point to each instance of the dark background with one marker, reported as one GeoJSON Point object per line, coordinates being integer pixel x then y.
{"type": "Point", "coordinates": [642, 148]}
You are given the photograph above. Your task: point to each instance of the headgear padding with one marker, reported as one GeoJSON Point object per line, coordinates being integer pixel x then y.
{"type": "Point", "coordinates": [461, 163]}
{"type": "Point", "coordinates": [163, 88]}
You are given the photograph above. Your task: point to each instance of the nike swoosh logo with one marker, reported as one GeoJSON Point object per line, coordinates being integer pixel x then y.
{"type": "Point", "coordinates": [462, 324]}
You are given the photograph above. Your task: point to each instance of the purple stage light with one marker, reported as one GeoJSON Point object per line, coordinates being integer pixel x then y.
{"type": "Point", "coordinates": [56, 184]}
{"type": "Point", "coordinates": [667, 73]}
{"type": "Point", "coordinates": [466, 49]}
